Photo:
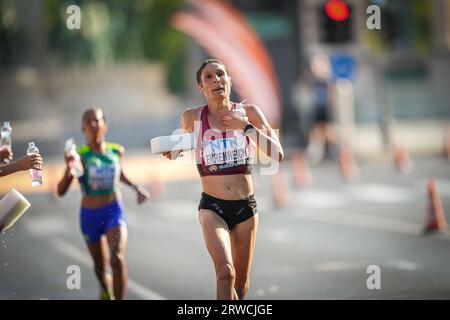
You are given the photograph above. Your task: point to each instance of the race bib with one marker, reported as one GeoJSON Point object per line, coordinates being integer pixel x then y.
{"type": "Point", "coordinates": [102, 177]}
{"type": "Point", "coordinates": [225, 153]}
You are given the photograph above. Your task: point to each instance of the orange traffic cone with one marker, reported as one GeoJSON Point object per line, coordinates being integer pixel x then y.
{"type": "Point", "coordinates": [401, 157]}
{"type": "Point", "coordinates": [436, 216]}
{"type": "Point", "coordinates": [279, 189]}
{"type": "Point", "coordinates": [347, 162]}
{"type": "Point", "coordinates": [302, 175]}
{"type": "Point", "coordinates": [447, 141]}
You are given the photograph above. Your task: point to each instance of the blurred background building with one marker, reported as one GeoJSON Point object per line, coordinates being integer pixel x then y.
{"type": "Point", "coordinates": [128, 59]}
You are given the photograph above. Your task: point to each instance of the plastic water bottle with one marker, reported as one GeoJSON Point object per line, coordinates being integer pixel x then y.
{"type": "Point", "coordinates": [75, 165]}
{"type": "Point", "coordinates": [5, 140]}
{"type": "Point", "coordinates": [36, 175]}
{"type": "Point", "coordinates": [239, 109]}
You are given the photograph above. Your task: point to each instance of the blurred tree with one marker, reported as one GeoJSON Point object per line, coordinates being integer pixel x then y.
{"type": "Point", "coordinates": [405, 24]}
{"type": "Point", "coordinates": [9, 31]}
{"type": "Point", "coordinates": [118, 30]}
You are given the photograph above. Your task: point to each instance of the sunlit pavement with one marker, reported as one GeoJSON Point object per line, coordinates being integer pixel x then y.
{"type": "Point", "coordinates": [318, 246]}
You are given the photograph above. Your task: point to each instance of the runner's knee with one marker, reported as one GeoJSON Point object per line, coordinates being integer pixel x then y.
{"type": "Point", "coordinates": [225, 272]}
{"type": "Point", "coordinates": [117, 260]}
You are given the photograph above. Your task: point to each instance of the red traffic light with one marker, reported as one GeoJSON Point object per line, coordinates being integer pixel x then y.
{"type": "Point", "coordinates": [337, 10]}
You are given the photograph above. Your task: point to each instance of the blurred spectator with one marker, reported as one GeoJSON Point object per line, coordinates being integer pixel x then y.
{"type": "Point", "coordinates": [323, 136]}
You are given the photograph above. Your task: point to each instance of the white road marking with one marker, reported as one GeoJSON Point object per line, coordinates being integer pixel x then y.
{"type": "Point", "coordinates": [381, 193]}
{"type": "Point", "coordinates": [333, 266]}
{"type": "Point", "coordinates": [182, 211]}
{"type": "Point", "coordinates": [76, 254]}
{"type": "Point", "coordinates": [260, 292]}
{"type": "Point", "coordinates": [267, 270]}
{"type": "Point", "coordinates": [365, 221]}
{"type": "Point", "coordinates": [402, 264]}
{"type": "Point", "coordinates": [319, 199]}
{"type": "Point", "coordinates": [45, 225]}
{"type": "Point", "coordinates": [369, 192]}
{"type": "Point", "coordinates": [341, 266]}
{"type": "Point", "coordinates": [274, 289]}
{"type": "Point", "coordinates": [277, 235]}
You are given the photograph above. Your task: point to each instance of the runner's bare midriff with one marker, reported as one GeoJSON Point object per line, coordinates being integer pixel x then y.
{"type": "Point", "coordinates": [228, 187]}
{"type": "Point", "coordinates": [99, 201]}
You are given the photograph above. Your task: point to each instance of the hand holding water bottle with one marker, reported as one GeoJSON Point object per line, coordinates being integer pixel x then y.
{"type": "Point", "coordinates": [239, 110]}
{"type": "Point", "coordinates": [32, 161]}
{"type": "Point", "coordinates": [35, 172]}
{"type": "Point", "coordinates": [5, 143]}
{"type": "Point", "coordinates": [6, 155]}
{"type": "Point", "coordinates": [72, 158]}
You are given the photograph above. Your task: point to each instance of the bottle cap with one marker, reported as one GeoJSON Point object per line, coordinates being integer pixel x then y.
{"type": "Point", "coordinates": [68, 144]}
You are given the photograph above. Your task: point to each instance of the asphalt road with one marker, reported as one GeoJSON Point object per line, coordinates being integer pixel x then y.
{"type": "Point", "coordinates": [318, 246]}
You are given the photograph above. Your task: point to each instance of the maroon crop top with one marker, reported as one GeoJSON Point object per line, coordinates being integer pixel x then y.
{"type": "Point", "coordinates": [222, 153]}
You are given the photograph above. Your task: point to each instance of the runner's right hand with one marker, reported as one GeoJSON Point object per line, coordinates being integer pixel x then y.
{"type": "Point", "coordinates": [172, 155]}
{"type": "Point", "coordinates": [68, 159]}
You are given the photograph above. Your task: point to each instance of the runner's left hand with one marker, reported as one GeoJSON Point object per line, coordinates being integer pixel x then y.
{"type": "Point", "coordinates": [233, 121]}
{"type": "Point", "coordinates": [142, 194]}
